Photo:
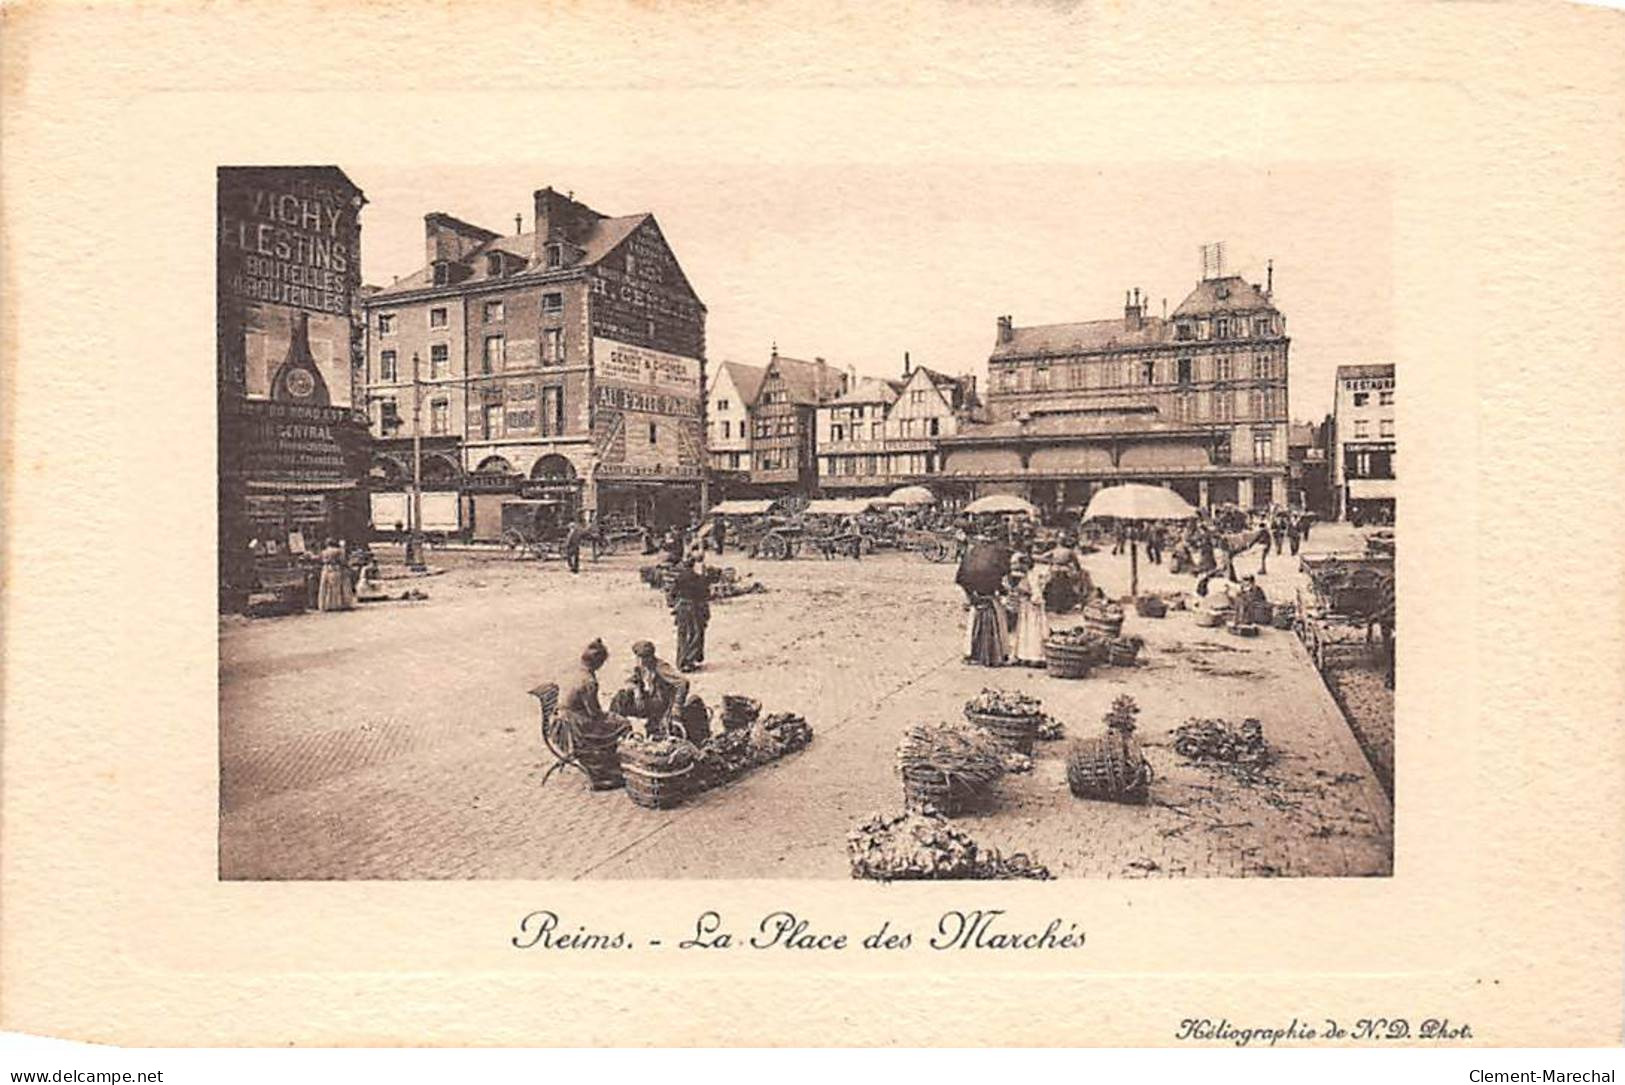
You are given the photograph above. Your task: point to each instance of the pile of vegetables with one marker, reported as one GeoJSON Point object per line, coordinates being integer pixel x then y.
{"type": "Point", "coordinates": [656, 754]}
{"type": "Point", "coordinates": [1080, 637]}
{"type": "Point", "coordinates": [1050, 729]}
{"type": "Point", "coordinates": [1219, 740]}
{"type": "Point", "coordinates": [998, 702]}
{"type": "Point", "coordinates": [915, 847]}
{"type": "Point", "coordinates": [735, 751]}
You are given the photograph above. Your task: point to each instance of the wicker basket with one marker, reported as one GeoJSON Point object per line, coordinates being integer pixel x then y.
{"type": "Point", "coordinates": [1013, 733]}
{"type": "Point", "coordinates": [1150, 606]}
{"type": "Point", "coordinates": [1122, 653]}
{"type": "Point", "coordinates": [1068, 660]}
{"type": "Point", "coordinates": [657, 789]}
{"type": "Point", "coordinates": [1211, 619]}
{"type": "Point", "coordinates": [1109, 768]}
{"type": "Point", "coordinates": [948, 795]}
{"type": "Point", "coordinates": [600, 760]}
{"type": "Point", "coordinates": [1106, 621]}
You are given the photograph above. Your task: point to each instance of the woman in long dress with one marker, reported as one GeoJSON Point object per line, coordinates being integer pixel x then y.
{"type": "Point", "coordinates": [1032, 623]}
{"type": "Point", "coordinates": [333, 593]}
{"type": "Point", "coordinates": [981, 575]}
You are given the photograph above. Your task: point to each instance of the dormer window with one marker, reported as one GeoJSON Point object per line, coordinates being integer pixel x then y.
{"type": "Point", "coordinates": [493, 263]}
{"type": "Point", "coordinates": [1183, 331]}
{"type": "Point", "coordinates": [555, 255]}
{"type": "Point", "coordinates": [442, 272]}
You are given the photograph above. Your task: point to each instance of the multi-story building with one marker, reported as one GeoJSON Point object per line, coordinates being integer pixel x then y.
{"type": "Point", "coordinates": [1196, 402]}
{"type": "Point", "coordinates": [887, 433]}
{"type": "Point", "coordinates": [1306, 468]}
{"type": "Point", "coordinates": [783, 422]}
{"type": "Point", "coordinates": [292, 438]}
{"type": "Point", "coordinates": [1362, 443]}
{"type": "Point", "coordinates": [565, 364]}
{"type": "Point", "coordinates": [734, 387]}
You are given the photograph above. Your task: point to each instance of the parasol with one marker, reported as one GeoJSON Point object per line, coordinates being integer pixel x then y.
{"type": "Point", "coordinates": [1137, 501]}
{"type": "Point", "coordinates": [912, 495]}
{"type": "Point", "coordinates": [995, 503]}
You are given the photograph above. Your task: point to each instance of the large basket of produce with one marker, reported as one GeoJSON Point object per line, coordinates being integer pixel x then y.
{"type": "Point", "coordinates": [916, 846]}
{"type": "Point", "coordinates": [1110, 767]}
{"type": "Point", "coordinates": [1072, 653]}
{"type": "Point", "coordinates": [1150, 606]}
{"type": "Point", "coordinates": [1285, 616]}
{"type": "Point", "coordinates": [947, 769]}
{"type": "Point", "coordinates": [657, 770]}
{"type": "Point", "coordinates": [1123, 651]}
{"type": "Point", "coordinates": [1103, 618]}
{"type": "Point", "coordinates": [1011, 718]}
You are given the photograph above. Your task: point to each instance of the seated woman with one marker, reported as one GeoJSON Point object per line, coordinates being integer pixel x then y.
{"type": "Point", "coordinates": [593, 731]}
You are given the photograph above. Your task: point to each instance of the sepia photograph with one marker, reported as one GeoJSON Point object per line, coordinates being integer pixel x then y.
{"type": "Point", "coordinates": [706, 522]}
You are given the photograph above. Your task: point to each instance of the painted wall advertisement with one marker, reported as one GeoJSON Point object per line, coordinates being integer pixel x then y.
{"type": "Point", "coordinates": [646, 412]}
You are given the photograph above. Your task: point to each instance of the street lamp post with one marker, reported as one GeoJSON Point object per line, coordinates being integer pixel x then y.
{"type": "Point", "coordinates": [414, 542]}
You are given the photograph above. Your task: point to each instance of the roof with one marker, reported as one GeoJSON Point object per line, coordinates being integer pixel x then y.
{"type": "Point", "coordinates": [1353, 371]}
{"type": "Point", "coordinates": [870, 390]}
{"type": "Point", "coordinates": [747, 379]}
{"type": "Point", "coordinates": [600, 241]}
{"type": "Point", "coordinates": [1074, 424]}
{"type": "Point", "coordinates": [1088, 335]}
{"type": "Point", "coordinates": [1300, 434]}
{"type": "Point", "coordinates": [810, 383]}
{"type": "Point", "coordinates": [1231, 294]}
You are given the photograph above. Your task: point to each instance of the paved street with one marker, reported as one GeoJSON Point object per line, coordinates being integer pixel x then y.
{"type": "Point", "coordinates": [398, 740]}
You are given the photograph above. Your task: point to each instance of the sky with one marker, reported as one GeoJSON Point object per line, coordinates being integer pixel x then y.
{"type": "Point", "coordinates": [857, 264]}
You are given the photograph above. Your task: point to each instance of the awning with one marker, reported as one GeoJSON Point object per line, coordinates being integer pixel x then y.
{"type": "Point", "coordinates": [1371, 489]}
{"type": "Point", "coordinates": [839, 506]}
{"type": "Point", "coordinates": [740, 508]}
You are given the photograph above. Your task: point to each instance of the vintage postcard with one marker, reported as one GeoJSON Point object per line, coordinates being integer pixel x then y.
{"type": "Point", "coordinates": [904, 529]}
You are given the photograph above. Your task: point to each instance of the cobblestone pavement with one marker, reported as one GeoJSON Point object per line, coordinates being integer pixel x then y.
{"type": "Point", "coordinates": [398, 741]}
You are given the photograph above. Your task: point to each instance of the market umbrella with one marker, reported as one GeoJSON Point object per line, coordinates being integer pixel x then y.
{"type": "Point", "coordinates": [1137, 501]}
{"type": "Point", "coordinates": [912, 495]}
{"type": "Point", "coordinates": [1001, 503]}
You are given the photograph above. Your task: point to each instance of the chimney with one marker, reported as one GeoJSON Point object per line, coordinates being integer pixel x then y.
{"type": "Point", "coordinates": [1006, 331]}
{"type": "Point", "coordinates": [1269, 278]}
{"type": "Point", "coordinates": [1132, 311]}
{"type": "Point", "coordinates": [518, 224]}
{"type": "Point", "coordinates": [1165, 308]}
{"type": "Point", "coordinates": [907, 367]}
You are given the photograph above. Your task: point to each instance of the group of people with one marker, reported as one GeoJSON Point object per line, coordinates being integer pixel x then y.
{"type": "Point", "coordinates": [1010, 595]}
{"type": "Point", "coordinates": [654, 693]}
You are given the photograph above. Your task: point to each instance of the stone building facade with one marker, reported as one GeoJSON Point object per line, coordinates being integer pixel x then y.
{"type": "Point", "coordinates": [1362, 446]}
{"type": "Point", "coordinates": [564, 364]}
{"type": "Point", "coordinates": [1196, 401]}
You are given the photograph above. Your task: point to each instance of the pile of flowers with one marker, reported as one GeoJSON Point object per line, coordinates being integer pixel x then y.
{"type": "Point", "coordinates": [916, 847]}
{"type": "Point", "coordinates": [1219, 740]}
{"type": "Point", "coordinates": [735, 751]}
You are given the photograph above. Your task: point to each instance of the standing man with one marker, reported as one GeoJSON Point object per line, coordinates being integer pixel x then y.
{"type": "Point", "coordinates": [1294, 532]}
{"type": "Point", "coordinates": [572, 546]}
